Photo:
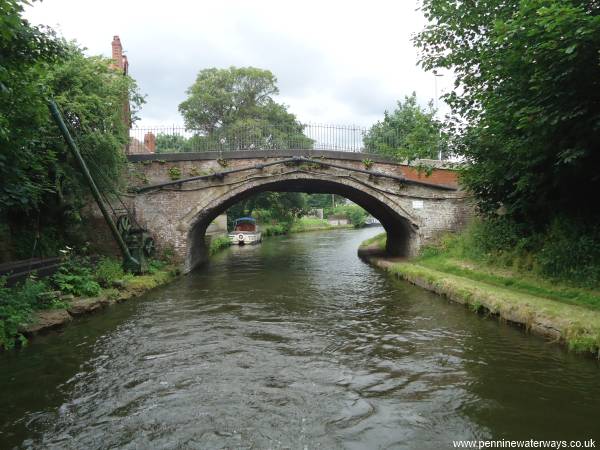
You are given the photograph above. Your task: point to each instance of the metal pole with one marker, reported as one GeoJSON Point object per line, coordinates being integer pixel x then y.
{"type": "Point", "coordinates": [130, 261]}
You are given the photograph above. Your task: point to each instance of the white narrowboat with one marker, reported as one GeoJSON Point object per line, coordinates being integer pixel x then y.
{"type": "Point", "coordinates": [245, 232]}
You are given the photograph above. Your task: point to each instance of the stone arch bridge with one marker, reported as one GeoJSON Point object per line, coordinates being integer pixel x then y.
{"type": "Point", "coordinates": [176, 196]}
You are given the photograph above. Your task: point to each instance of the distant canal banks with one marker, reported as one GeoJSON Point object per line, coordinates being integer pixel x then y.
{"type": "Point", "coordinates": [563, 314]}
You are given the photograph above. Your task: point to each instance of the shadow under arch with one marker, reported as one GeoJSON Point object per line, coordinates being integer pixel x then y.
{"type": "Point", "coordinates": [401, 228]}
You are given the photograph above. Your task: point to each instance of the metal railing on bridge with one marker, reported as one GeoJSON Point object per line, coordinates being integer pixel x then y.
{"type": "Point", "coordinates": [346, 138]}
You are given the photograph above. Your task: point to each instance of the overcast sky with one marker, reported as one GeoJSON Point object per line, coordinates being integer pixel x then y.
{"type": "Point", "coordinates": [342, 62]}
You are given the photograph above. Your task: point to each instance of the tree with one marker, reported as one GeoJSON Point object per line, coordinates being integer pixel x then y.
{"type": "Point", "coordinates": [409, 133]}
{"type": "Point", "coordinates": [233, 109]}
{"type": "Point", "coordinates": [281, 207]}
{"type": "Point", "coordinates": [324, 201]}
{"type": "Point", "coordinates": [172, 143]}
{"type": "Point", "coordinates": [527, 101]}
{"type": "Point", "coordinates": [41, 190]}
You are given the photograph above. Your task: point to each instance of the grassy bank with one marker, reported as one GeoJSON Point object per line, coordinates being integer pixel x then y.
{"type": "Point", "coordinates": [313, 224]}
{"type": "Point", "coordinates": [217, 244]}
{"type": "Point", "coordinates": [78, 288]}
{"type": "Point", "coordinates": [377, 242]}
{"type": "Point", "coordinates": [557, 310]}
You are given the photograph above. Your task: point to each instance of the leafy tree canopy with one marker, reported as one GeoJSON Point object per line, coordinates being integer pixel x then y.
{"type": "Point", "coordinates": [408, 133]}
{"type": "Point", "coordinates": [281, 207]}
{"type": "Point", "coordinates": [233, 109]}
{"type": "Point", "coordinates": [527, 100]}
{"type": "Point", "coordinates": [40, 187]}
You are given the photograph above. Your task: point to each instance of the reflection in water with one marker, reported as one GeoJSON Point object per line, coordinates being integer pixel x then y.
{"type": "Point", "coordinates": [294, 343]}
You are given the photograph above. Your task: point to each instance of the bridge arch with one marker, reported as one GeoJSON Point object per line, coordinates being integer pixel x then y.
{"type": "Point", "coordinates": [414, 209]}
{"type": "Point", "coordinates": [400, 225]}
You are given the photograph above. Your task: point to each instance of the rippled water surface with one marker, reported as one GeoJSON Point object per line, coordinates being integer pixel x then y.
{"type": "Point", "coordinates": [294, 343]}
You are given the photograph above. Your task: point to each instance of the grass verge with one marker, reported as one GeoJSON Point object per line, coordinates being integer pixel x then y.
{"type": "Point", "coordinates": [34, 307]}
{"type": "Point", "coordinates": [561, 313]}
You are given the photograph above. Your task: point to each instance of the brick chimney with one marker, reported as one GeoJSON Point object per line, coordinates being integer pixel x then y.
{"type": "Point", "coordinates": [117, 53]}
{"type": "Point", "coordinates": [150, 142]}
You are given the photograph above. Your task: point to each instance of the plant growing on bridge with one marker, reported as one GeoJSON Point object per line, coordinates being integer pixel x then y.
{"type": "Point", "coordinates": [141, 176]}
{"type": "Point", "coordinates": [223, 162]}
{"type": "Point", "coordinates": [174, 173]}
{"type": "Point", "coordinates": [368, 163]}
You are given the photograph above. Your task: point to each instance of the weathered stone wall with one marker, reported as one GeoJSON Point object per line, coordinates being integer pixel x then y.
{"type": "Point", "coordinates": [179, 215]}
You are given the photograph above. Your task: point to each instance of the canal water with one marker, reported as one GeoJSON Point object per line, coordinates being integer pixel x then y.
{"type": "Point", "coordinates": [295, 343]}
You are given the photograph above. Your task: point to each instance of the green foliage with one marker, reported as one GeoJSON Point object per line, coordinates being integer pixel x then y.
{"type": "Point", "coordinates": [233, 109]}
{"type": "Point", "coordinates": [174, 173]}
{"type": "Point", "coordinates": [16, 306]}
{"type": "Point", "coordinates": [379, 241]}
{"type": "Point", "coordinates": [172, 143]}
{"type": "Point", "coordinates": [75, 276]}
{"type": "Point", "coordinates": [107, 271]}
{"type": "Point", "coordinates": [41, 188]}
{"type": "Point", "coordinates": [275, 229]}
{"type": "Point", "coordinates": [218, 243]}
{"type": "Point", "coordinates": [571, 251]}
{"type": "Point", "coordinates": [168, 255]}
{"type": "Point", "coordinates": [282, 207]}
{"type": "Point", "coordinates": [355, 214]}
{"type": "Point", "coordinates": [90, 96]}
{"type": "Point", "coordinates": [527, 103]}
{"type": "Point", "coordinates": [155, 265]}
{"type": "Point", "coordinates": [368, 163]}
{"type": "Point", "coordinates": [309, 224]}
{"type": "Point", "coordinates": [325, 201]}
{"type": "Point", "coordinates": [410, 132]}
{"type": "Point", "coordinates": [566, 250]}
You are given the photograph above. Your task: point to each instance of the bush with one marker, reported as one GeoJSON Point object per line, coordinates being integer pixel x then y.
{"type": "Point", "coordinates": [16, 306]}
{"type": "Point", "coordinates": [276, 229]}
{"type": "Point", "coordinates": [155, 265]}
{"type": "Point", "coordinates": [571, 251]}
{"type": "Point", "coordinates": [355, 214]}
{"type": "Point", "coordinates": [567, 250]}
{"type": "Point", "coordinates": [75, 276]}
{"type": "Point", "coordinates": [218, 243]}
{"type": "Point", "coordinates": [108, 270]}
